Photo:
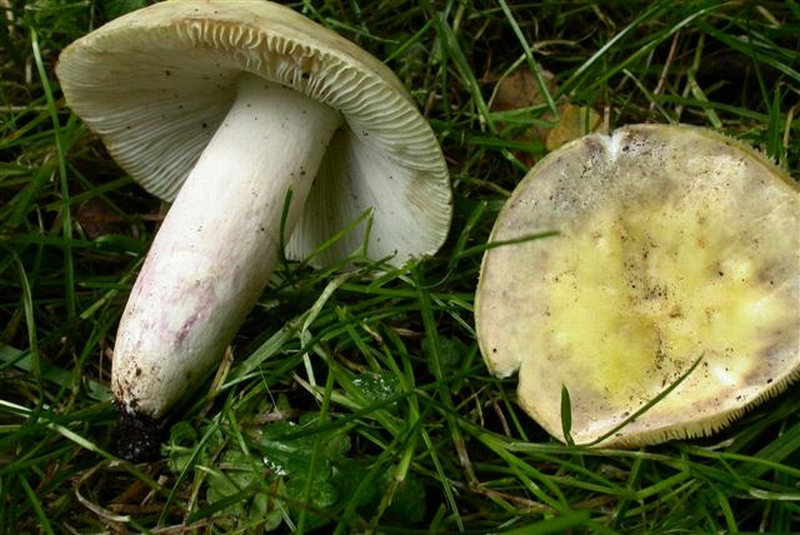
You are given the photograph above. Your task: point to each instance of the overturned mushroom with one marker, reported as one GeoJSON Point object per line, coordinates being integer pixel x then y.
{"type": "Point", "coordinates": [232, 109]}
{"type": "Point", "coordinates": [676, 247]}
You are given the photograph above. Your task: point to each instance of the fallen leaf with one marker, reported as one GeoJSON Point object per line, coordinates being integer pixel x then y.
{"type": "Point", "coordinates": [574, 122]}
{"type": "Point", "coordinates": [520, 90]}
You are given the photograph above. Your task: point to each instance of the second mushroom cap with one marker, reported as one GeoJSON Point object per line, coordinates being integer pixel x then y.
{"type": "Point", "coordinates": [675, 246]}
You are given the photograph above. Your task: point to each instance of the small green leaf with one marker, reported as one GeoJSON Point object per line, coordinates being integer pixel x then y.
{"type": "Point", "coordinates": [452, 353]}
{"type": "Point", "coordinates": [180, 448]}
{"type": "Point", "coordinates": [323, 494]}
{"type": "Point", "coordinates": [566, 416]}
{"type": "Point", "coordinates": [409, 501]}
{"type": "Point", "coordinates": [376, 388]}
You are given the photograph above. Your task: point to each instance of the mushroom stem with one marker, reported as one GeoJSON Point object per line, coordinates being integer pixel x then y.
{"type": "Point", "coordinates": [218, 245]}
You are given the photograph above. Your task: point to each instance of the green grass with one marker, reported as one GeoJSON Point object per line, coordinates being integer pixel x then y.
{"type": "Point", "coordinates": [370, 410]}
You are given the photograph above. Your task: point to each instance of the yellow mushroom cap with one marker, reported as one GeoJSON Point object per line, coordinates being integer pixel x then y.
{"type": "Point", "coordinates": [675, 245]}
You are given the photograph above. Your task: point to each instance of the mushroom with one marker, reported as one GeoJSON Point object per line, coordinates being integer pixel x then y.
{"type": "Point", "coordinates": [232, 111]}
{"type": "Point", "coordinates": [666, 302]}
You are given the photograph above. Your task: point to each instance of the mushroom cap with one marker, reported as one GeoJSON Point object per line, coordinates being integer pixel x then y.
{"type": "Point", "coordinates": [675, 246]}
{"type": "Point", "coordinates": [154, 85]}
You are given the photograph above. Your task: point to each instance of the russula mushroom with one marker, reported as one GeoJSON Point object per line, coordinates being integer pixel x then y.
{"type": "Point", "coordinates": [231, 109]}
{"type": "Point", "coordinates": [673, 276]}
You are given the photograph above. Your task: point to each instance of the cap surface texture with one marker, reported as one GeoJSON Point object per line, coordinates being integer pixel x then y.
{"type": "Point", "coordinates": [675, 245]}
